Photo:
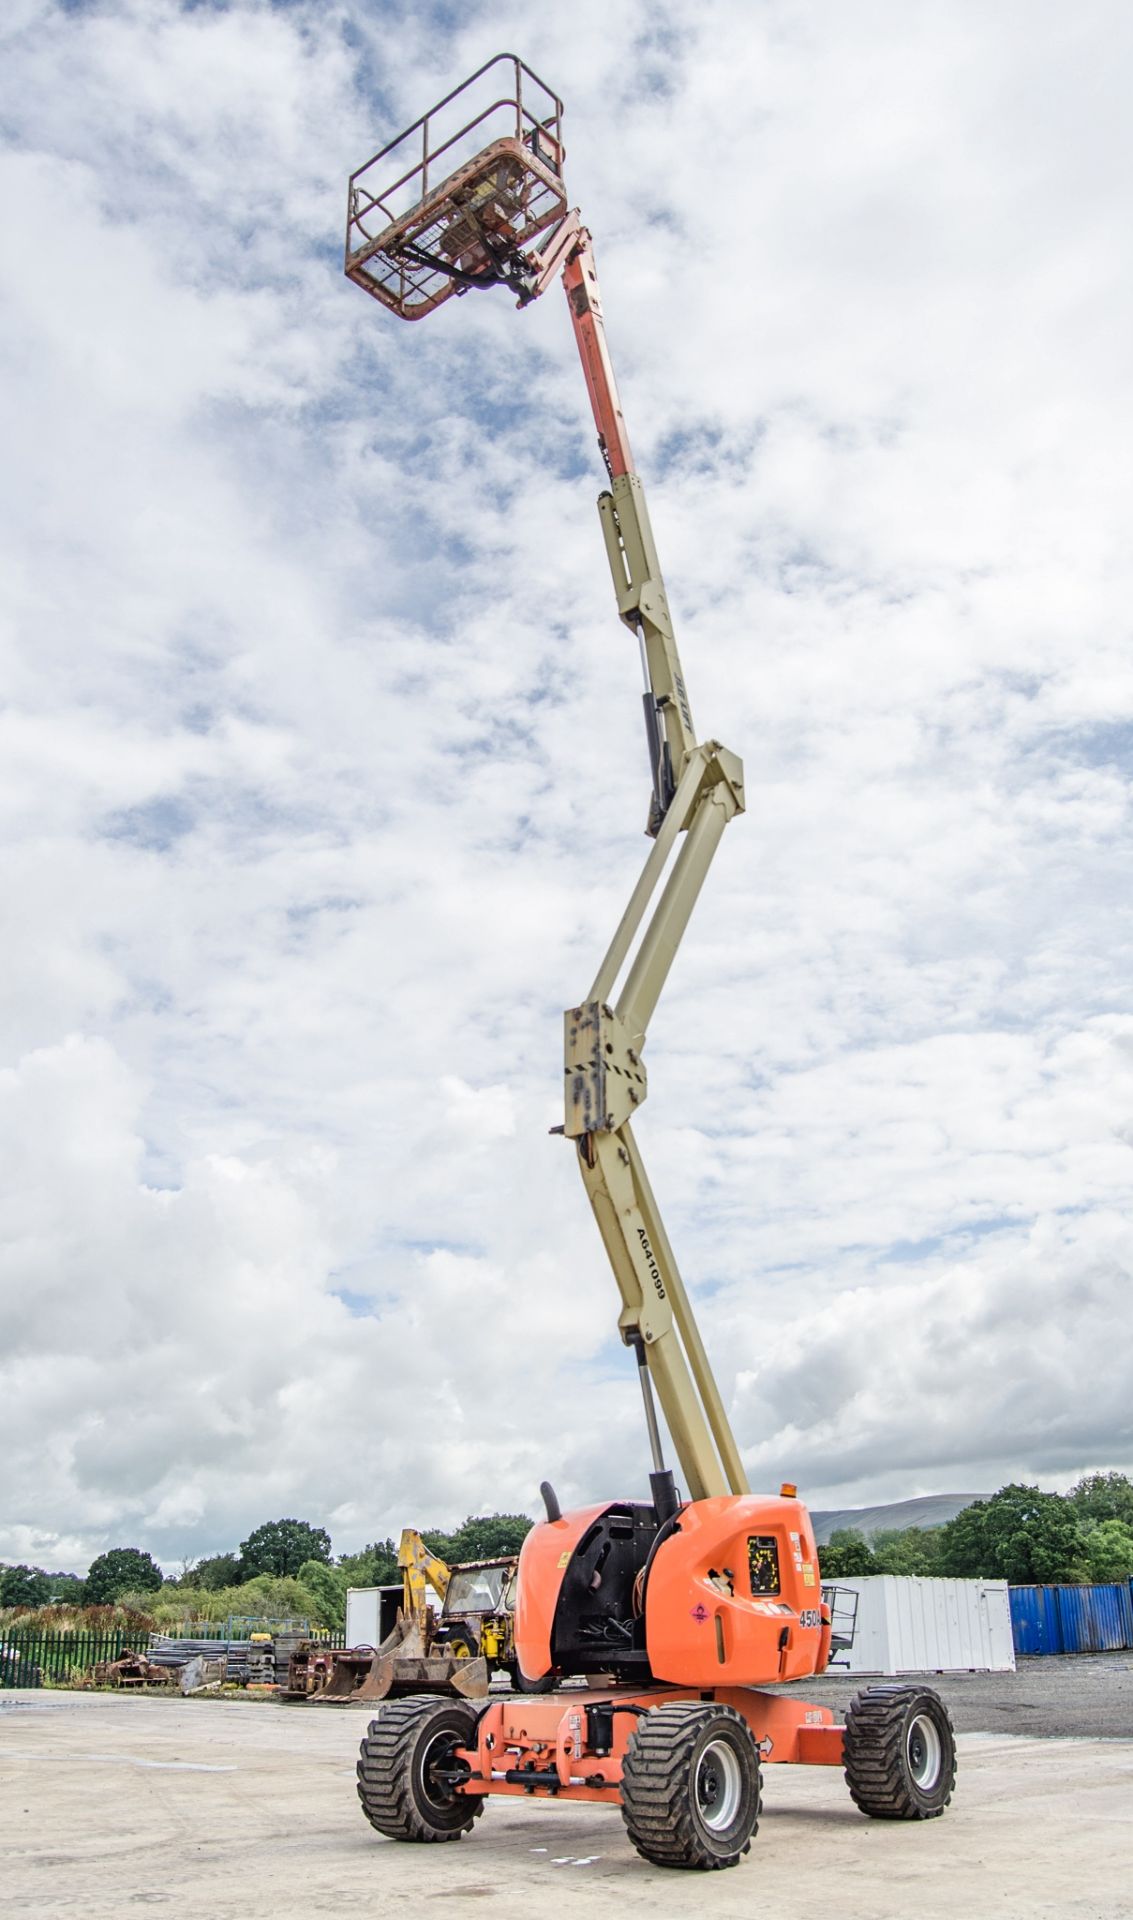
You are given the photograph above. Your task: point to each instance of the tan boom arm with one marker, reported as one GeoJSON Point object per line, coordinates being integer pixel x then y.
{"type": "Point", "coordinates": [696, 790]}
{"type": "Point", "coordinates": [633, 559]}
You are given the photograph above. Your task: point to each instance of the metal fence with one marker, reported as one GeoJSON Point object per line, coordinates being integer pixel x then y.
{"type": "Point", "coordinates": [29, 1656]}
{"type": "Point", "coordinates": [1095, 1619]}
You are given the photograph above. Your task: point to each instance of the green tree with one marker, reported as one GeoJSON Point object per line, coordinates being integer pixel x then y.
{"type": "Point", "coordinates": [489, 1536]}
{"type": "Point", "coordinates": [1020, 1535]}
{"type": "Point", "coordinates": [122, 1570]}
{"type": "Point", "coordinates": [440, 1543]}
{"type": "Point", "coordinates": [328, 1585]}
{"type": "Point", "coordinates": [1103, 1496]}
{"type": "Point", "coordinates": [846, 1555]}
{"type": "Point", "coordinates": [24, 1587]}
{"type": "Point", "coordinates": [281, 1547]}
{"type": "Point", "coordinates": [1109, 1551]}
{"type": "Point", "coordinates": [267, 1597]}
{"type": "Point", "coordinates": [270, 1595]}
{"type": "Point", "coordinates": [483, 1536]}
{"type": "Point", "coordinates": [906, 1550]}
{"type": "Point", "coordinates": [372, 1566]}
{"type": "Point", "coordinates": [964, 1550]}
{"type": "Point", "coordinates": [67, 1590]}
{"type": "Point", "coordinates": [218, 1570]}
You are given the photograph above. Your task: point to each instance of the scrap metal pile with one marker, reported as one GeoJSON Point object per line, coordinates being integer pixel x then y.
{"type": "Point", "coordinates": [247, 1662]}
{"type": "Point", "coordinates": [132, 1669]}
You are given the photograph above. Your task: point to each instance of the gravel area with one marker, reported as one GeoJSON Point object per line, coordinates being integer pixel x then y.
{"type": "Point", "coordinates": [1078, 1696]}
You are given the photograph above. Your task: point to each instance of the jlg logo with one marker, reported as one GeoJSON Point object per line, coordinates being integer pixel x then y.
{"type": "Point", "coordinates": [654, 1269]}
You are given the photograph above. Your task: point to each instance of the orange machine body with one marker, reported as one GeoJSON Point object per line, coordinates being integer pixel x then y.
{"type": "Point", "coordinates": [543, 1559]}
{"type": "Point", "coordinates": [733, 1597]}
{"type": "Point", "coordinates": [727, 1595]}
{"type": "Point", "coordinates": [572, 1745]}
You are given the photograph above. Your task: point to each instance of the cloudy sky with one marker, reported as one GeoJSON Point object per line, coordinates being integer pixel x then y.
{"type": "Point", "coordinates": [323, 782]}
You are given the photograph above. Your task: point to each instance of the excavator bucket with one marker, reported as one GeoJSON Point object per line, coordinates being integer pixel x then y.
{"type": "Point", "coordinates": [458, 198]}
{"type": "Point", "coordinates": [469, 1678]}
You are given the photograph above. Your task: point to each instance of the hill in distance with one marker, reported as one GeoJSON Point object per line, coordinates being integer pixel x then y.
{"type": "Point", "coordinates": [931, 1510]}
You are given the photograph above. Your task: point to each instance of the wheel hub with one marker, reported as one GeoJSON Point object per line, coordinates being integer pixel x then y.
{"type": "Point", "coordinates": [718, 1785]}
{"type": "Point", "coordinates": [923, 1749]}
{"type": "Point", "coordinates": [437, 1769]}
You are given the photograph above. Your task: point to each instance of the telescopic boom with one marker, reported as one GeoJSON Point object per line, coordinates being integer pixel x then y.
{"type": "Point", "coordinates": [430, 219]}
{"type": "Point", "coordinates": [697, 789]}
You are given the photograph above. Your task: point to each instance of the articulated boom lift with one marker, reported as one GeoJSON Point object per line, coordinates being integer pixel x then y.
{"type": "Point", "coordinates": [680, 1613]}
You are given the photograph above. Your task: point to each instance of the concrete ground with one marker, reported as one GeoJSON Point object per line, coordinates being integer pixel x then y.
{"type": "Point", "coordinates": [232, 1810]}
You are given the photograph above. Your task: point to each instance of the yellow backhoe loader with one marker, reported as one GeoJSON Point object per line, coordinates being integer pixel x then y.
{"type": "Point", "coordinates": [455, 1652]}
{"type": "Point", "coordinates": [419, 1655]}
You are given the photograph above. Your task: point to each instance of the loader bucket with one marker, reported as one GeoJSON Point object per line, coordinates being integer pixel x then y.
{"type": "Point", "coordinates": [350, 1677]}
{"type": "Point", "coordinates": [401, 1665]}
{"type": "Point", "coordinates": [403, 1674]}
{"type": "Point", "coordinates": [471, 1679]}
{"type": "Point", "coordinates": [374, 1682]}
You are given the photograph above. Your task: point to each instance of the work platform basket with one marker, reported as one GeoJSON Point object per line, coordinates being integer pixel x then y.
{"type": "Point", "coordinates": [456, 199]}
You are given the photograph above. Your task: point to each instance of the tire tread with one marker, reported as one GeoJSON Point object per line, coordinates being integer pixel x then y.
{"type": "Point", "coordinates": [874, 1750]}
{"type": "Point", "coordinates": [656, 1786]}
{"type": "Point", "coordinates": [384, 1773]}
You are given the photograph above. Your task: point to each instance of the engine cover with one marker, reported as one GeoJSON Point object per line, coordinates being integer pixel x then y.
{"type": "Point", "coordinates": [733, 1595]}
{"type": "Point", "coordinates": [575, 1610]}
{"type": "Point", "coordinates": [729, 1597]}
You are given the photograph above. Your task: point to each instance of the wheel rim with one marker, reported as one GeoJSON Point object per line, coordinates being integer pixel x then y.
{"type": "Point", "coordinates": [923, 1751]}
{"type": "Point", "coordinates": [438, 1753]}
{"type": "Point", "coordinates": [718, 1785]}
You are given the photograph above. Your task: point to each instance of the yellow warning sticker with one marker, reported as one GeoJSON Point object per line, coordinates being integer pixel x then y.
{"type": "Point", "coordinates": [564, 1560]}
{"type": "Point", "coordinates": [808, 1573]}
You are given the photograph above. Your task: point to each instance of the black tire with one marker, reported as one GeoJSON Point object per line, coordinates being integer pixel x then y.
{"type": "Point", "coordinates": [399, 1795]}
{"type": "Point", "coordinates": [900, 1753]}
{"type": "Point", "coordinates": [522, 1684]}
{"type": "Point", "coordinates": [461, 1639]}
{"type": "Point", "coordinates": [691, 1786]}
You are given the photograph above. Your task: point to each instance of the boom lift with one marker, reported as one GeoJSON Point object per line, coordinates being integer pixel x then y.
{"type": "Point", "coordinates": [692, 1606]}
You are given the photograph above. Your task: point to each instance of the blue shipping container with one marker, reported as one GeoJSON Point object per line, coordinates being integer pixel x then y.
{"type": "Point", "coordinates": [1034, 1620]}
{"type": "Point", "coordinates": [1095, 1619]}
{"type": "Point", "coordinates": [1072, 1619]}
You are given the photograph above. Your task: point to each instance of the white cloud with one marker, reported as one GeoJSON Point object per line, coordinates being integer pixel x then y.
{"type": "Point", "coordinates": [321, 778]}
